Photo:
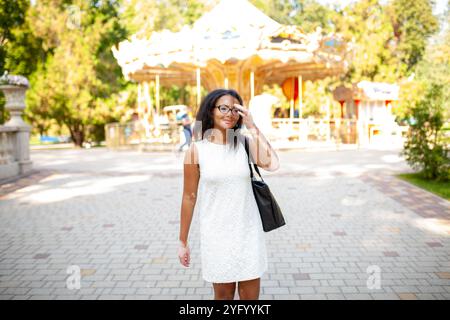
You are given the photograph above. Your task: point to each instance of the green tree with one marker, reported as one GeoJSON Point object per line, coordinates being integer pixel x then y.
{"type": "Point", "coordinates": [387, 39]}
{"type": "Point", "coordinates": [308, 14]}
{"type": "Point", "coordinates": [413, 23]}
{"type": "Point", "coordinates": [435, 65]}
{"type": "Point", "coordinates": [143, 17]}
{"type": "Point", "coordinates": [80, 77]}
{"type": "Point", "coordinates": [433, 68]}
{"type": "Point", "coordinates": [38, 110]}
{"type": "Point", "coordinates": [367, 29]}
{"type": "Point", "coordinates": [426, 148]}
{"type": "Point", "coordinates": [279, 10]}
{"type": "Point", "coordinates": [12, 17]}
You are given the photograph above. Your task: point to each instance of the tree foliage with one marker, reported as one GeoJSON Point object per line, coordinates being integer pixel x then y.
{"type": "Point", "coordinates": [427, 147]}
{"type": "Point", "coordinates": [76, 82]}
{"type": "Point", "coordinates": [64, 47]}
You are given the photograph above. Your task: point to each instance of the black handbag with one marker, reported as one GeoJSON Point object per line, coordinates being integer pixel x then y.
{"type": "Point", "coordinates": [270, 212]}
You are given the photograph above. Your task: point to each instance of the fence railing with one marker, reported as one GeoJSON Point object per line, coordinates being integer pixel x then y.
{"type": "Point", "coordinates": [135, 134]}
{"type": "Point", "coordinates": [345, 131]}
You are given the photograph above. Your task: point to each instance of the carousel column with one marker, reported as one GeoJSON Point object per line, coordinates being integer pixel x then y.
{"type": "Point", "coordinates": [342, 102]}
{"type": "Point", "coordinates": [156, 117]}
{"type": "Point", "coordinates": [359, 129]}
{"type": "Point", "coordinates": [300, 97]}
{"type": "Point", "coordinates": [122, 136]}
{"type": "Point", "coordinates": [198, 88]}
{"type": "Point", "coordinates": [302, 124]}
{"type": "Point", "coordinates": [388, 104]}
{"type": "Point", "coordinates": [157, 99]}
{"type": "Point", "coordinates": [328, 122]}
{"type": "Point", "coordinates": [291, 107]}
{"type": "Point", "coordinates": [389, 122]}
{"type": "Point", "coordinates": [139, 97]}
{"type": "Point", "coordinates": [146, 114]}
{"type": "Point", "coordinates": [338, 124]}
{"type": "Point", "coordinates": [252, 84]}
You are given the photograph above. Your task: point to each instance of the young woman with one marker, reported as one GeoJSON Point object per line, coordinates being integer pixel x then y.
{"type": "Point", "coordinates": [217, 183]}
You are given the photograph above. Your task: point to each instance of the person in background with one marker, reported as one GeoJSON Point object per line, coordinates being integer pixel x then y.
{"type": "Point", "coordinates": [186, 123]}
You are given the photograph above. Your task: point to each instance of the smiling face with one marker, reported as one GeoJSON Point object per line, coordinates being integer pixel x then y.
{"type": "Point", "coordinates": [225, 121]}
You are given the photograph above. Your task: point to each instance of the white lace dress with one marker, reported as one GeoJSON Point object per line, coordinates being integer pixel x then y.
{"type": "Point", "coordinates": [232, 240]}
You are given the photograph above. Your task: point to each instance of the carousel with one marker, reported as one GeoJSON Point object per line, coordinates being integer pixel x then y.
{"type": "Point", "coordinates": [227, 48]}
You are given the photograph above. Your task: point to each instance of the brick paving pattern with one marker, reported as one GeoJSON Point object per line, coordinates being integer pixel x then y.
{"type": "Point", "coordinates": [120, 228]}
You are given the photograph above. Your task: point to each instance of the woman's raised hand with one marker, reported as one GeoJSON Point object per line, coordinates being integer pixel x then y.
{"type": "Point", "coordinates": [247, 118]}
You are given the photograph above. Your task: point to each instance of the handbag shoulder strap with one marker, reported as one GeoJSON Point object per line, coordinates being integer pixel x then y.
{"type": "Point", "coordinates": [249, 156]}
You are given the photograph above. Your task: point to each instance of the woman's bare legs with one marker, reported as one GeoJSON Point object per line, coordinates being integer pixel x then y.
{"type": "Point", "coordinates": [249, 290]}
{"type": "Point", "coordinates": [224, 291]}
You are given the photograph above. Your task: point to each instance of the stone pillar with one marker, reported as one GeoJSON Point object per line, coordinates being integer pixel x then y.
{"type": "Point", "coordinates": [15, 104]}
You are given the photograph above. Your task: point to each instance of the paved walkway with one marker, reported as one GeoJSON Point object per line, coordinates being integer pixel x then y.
{"type": "Point", "coordinates": [353, 230]}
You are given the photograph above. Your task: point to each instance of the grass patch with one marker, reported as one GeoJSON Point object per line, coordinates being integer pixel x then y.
{"type": "Point", "coordinates": [440, 188]}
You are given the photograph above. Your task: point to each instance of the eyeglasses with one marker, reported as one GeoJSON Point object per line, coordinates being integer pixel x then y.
{"type": "Point", "coordinates": [224, 109]}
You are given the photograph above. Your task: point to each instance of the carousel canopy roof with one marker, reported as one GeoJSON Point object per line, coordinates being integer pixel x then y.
{"type": "Point", "coordinates": [234, 30]}
{"type": "Point", "coordinates": [378, 90]}
{"type": "Point", "coordinates": [367, 90]}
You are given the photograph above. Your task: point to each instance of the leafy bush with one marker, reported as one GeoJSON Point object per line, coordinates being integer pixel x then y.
{"type": "Point", "coordinates": [427, 145]}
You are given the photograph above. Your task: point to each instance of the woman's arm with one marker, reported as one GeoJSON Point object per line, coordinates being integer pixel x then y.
{"type": "Point", "coordinates": [191, 178]}
{"type": "Point", "coordinates": [262, 152]}
{"type": "Point", "coordinates": [266, 157]}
